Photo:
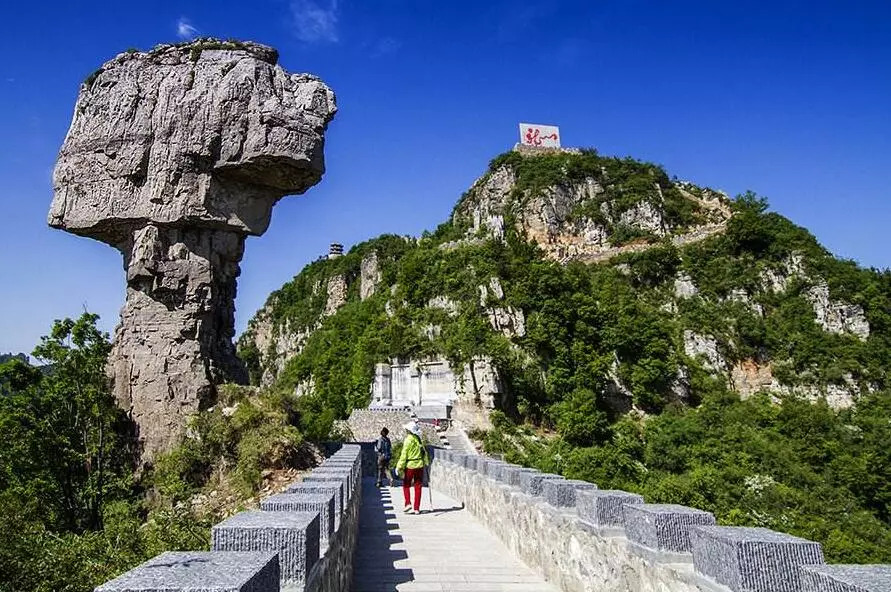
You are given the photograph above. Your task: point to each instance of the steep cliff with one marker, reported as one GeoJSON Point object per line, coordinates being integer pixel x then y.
{"type": "Point", "coordinates": [173, 157]}
{"type": "Point", "coordinates": [587, 278]}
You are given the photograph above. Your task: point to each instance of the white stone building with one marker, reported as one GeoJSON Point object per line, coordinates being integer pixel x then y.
{"type": "Point", "coordinates": [431, 388]}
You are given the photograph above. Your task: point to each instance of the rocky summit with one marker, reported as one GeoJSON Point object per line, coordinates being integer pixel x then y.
{"type": "Point", "coordinates": [173, 157]}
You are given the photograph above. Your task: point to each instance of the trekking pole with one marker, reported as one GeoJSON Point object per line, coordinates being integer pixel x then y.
{"type": "Point", "coordinates": [430, 489]}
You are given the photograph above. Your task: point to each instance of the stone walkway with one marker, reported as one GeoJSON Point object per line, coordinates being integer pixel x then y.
{"type": "Point", "coordinates": [445, 549]}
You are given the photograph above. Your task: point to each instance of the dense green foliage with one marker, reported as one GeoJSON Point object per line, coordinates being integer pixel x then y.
{"type": "Point", "coordinates": [797, 467]}
{"type": "Point", "coordinates": [73, 512]}
{"type": "Point", "coordinates": [243, 434]}
{"type": "Point", "coordinates": [64, 453]}
{"type": "Point", "coordinates": [70, 511]}
{"type": "Point", "coordinates": [604, 339]}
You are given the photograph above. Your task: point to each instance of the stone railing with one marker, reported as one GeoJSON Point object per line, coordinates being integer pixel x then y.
{"type": "Point", "coordinates": [586, 539]}
{"type": "Point", "coordinates": [302, 540]}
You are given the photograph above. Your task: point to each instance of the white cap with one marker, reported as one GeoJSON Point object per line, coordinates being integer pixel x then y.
{"type": "Point", "coordinates": [413, 428]}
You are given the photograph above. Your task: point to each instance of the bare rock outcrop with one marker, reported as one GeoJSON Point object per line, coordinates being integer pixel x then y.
{"type": "Point", "coordinates": [553, 217]}
{"type": "Point", "coordinates": [507, 320]}
{"type": "Point", "coordinates": [705, 349]}
{"type": "Point", "coordinates": [369, 275]}
{"type": "Point", "coordinates": [337, 289]}
{"type": "Point", "coordinates": [174, 157]}
{"type": "Point", "coordinates": [836, 316]}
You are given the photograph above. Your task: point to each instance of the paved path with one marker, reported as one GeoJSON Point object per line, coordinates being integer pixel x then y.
{"type": "Point", "coordinates": [445, 549]}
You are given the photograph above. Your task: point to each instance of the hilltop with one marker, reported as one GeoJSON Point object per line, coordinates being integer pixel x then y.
{"type": "Point", "coordinates": [572, 270]}
{"type": "Point", "coordinates": [609, 322]}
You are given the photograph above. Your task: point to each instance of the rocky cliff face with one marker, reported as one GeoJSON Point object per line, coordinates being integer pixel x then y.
{"type": "Point", "coordinates": [592, 216]}
{"type": "Point", "coordinates": [173, 157]}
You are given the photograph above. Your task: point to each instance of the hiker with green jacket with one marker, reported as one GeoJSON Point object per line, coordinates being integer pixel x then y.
{"type": "Point", "coordinates": [411, 465]}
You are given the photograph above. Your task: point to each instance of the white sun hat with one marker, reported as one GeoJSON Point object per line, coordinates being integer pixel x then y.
{"type": "Point", "coordinates": [413, 427]}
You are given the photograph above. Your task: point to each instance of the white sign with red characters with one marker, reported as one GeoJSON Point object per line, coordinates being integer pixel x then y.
{"type": "Point", "coordinates": [545, 136]}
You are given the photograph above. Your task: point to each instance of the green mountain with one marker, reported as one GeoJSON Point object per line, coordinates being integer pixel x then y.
{"type": "Point", "coordinates": [646, 333]}
{"type": "Point", "coordinates": [599, 273]}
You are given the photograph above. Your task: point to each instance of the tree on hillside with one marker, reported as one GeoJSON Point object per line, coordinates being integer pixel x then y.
{"type": "Point", "coordinates": [66, 449]}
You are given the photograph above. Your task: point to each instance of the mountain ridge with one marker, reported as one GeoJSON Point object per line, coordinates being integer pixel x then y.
{"type": "Point", "coordinates": [744, 373]}
{"type": "Point", "coordinates": [577, 207]}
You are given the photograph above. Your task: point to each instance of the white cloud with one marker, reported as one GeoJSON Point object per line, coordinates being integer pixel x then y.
{"type": "Point", "coordinates": [315, 21]}
{"type": "Point", "coordinates": [385, 46]}
{"type": "Point", "coordinates": [184, 29]}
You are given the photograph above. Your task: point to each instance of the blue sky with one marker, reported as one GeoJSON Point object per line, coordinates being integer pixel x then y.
{"type": "Point", "coordinates": [789, 99]}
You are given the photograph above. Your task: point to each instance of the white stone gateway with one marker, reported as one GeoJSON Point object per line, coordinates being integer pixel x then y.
{"type": "Point", "coordinates": [539, 136]}
{"type": "Point", "coordinates": [432, 387]}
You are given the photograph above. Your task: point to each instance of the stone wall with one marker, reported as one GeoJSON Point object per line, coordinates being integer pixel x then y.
{"type": "Point", "coordinates": [279, 546]}
{"type": "Point", "coordinates": [365, 425]}
{"type": "Point", "coordinates": [585, 539]}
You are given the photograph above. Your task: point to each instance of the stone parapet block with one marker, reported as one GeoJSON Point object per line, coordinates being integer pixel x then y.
{"type": "Point", "coordinates": [323, 503]}
{"type": "Point", "coordinates": [176, 571]}
{"type": "Point", "coordinates": [505, 471]}
{"type": "Point", "coordinates": [343, 479]}
{"type": "Point", "coordinates": [752, 559]}
{"type": "Point", "coordinates": [354, 466]}
{"type": "Point", "coordinates": [342, 461]}
{"type": "Point", "coordinates": [532, 483]}
{"type": "Point", "coordinates": [514, 476]}
{"type": "Point", "coordinates": [353, 449]}
{"type": "Point", "coordinates": [472, 462]}
{"type": "Point", "coordinates": [845, 578]}
{"type": "Point", "coordinates": [348, 456]}
{"type": "Point", "coordinates": [603, 507]}
{"type": "Point", "coordinates": [457, 458]}
{"type": "Point", "coordinates": [490, 467]}
{"type": "Point", "coordinates": [563, 493]}
{"type": "Point", "coordinates": [663, 527]}
{"type": "Point", "coordinates": [322, 487]}
{"type": "Point", "coordinates": [293, 535]}
{"type": "Point", "coordinates": [334, 470]}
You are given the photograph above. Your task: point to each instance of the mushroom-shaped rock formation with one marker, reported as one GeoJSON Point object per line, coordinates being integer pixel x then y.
{"type": "Point", "coordinates": [174, 157]}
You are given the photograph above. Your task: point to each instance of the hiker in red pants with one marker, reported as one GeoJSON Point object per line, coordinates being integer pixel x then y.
{"type": "Point", "coordinates": [411, 465]}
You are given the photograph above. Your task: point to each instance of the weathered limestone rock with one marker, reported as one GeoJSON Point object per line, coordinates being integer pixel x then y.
{"type": "Point", "coordinates": [369, 275]}
{"type": "Point", "coordinates": [684, 286]}
{"type": "Point", "coordinates": [644, 216]}
{"type": "Point", "coordinates": [835, 316]}
{"type": "Point", "coordinates": [174, 157]}
{"type": "Point", "coordinates": [337, 294]}
{"type": "Point", "coordinates": [704, 347]}
{"type": "Point", "coordinates": [779, 280]}
{"type": "Point", "coordinates": [743, 297]}
{"type": "Point", "coordinates": [444, 303]}
{"type": "Point", "coordinates": [749, 377]}
{"type": "Point", "coordinates": [507, 320]}
{"type": "Point", "coordinates": [276, 342]}
{"type": "Point", "coordinates": [551, 220]}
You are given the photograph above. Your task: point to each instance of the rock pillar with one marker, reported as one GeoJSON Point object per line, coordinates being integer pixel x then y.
{"type": "Point", "coordinates": [174, 157]}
